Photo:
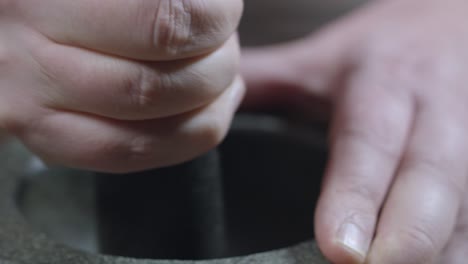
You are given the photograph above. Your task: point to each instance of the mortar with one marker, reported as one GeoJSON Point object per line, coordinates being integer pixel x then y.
{"type": "Point", "coordinates": [271, 171]}
{"type": "Point", "coordinates": [270, 176]}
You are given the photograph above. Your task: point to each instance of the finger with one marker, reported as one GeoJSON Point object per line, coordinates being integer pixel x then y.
{"type": "Point", "coordinates": [310, 68]}
{"type": "Point", "coordinates": [421, 210]}
{"type": "Point", "coordinates": [369, 131]}
{"type": "Point", "coordinates": [140, 29]}
{"type": "Point", "coordinates": [100, 144]}
{"type": "Point", "coordinates": [93, 83]}
{"type": "Point", "coordinates": [282, 74]}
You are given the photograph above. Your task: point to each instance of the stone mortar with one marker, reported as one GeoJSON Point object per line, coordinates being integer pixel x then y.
{"type": "Point", "coordinates": [23, 243]}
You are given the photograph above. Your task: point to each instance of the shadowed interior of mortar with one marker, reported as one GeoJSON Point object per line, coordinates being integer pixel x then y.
{"type": "Point", "coordinates": [269, 180]}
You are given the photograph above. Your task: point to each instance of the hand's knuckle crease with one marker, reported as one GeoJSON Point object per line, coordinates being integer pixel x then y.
{"type": "Point", "coordinates": [141, 147]}
{"type": "Point", "coordinates": [372, 140]}
{"type": "Point", "coordinates": [364, 195]}
{"type": "Point", "coordinates": [420, 243]}
{"type": "Point", "coordinates": [171, 26]}
{"type": "Point", "coordinates": [143, 88]}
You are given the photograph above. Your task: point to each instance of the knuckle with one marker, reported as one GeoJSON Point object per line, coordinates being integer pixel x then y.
{"type": "Point", "coordinates": [363, 195]}
{"type": "Point", "coordinates": [123, 156]}
{"type": "Point", "coordinates": [141, 147]}
{"type": "Point", "coordinates": [430, 164]}
{"type": "Point", "coordinates": [372, 137]}
{"type": "Point", "coordinates": [146, 151]}
{"type": "Point", "coordinates": [182, 26]}
{"type": "Point", "coordinates": [142, 89]}
{"type": "Point", "coordinates": [362, 219]}
{"type": "Point", "coordinates": [165, 93]}
{"type": "Point", "coordinates": [171, 25]}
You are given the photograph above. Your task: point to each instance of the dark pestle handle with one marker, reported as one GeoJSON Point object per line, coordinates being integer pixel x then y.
{"type": "Point", "coordinates": [169, 213]}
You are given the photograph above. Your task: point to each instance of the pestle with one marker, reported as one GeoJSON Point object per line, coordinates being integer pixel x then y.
{"type": "Point", "coordinates": [167, 213]}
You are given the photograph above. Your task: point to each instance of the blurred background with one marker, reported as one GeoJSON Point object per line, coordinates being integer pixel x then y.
{"type": "Point", "coordinates": [272, 21]}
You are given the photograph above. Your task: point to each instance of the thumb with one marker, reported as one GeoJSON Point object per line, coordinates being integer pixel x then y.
{"type": "Point", "coordinates": [293, 73]}
{"type": "Point", "coordinates": [271, 76]}
{"type": "Point", "coordinates": [308, 68]}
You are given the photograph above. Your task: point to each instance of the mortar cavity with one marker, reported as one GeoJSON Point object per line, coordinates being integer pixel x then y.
{"type": "Point", "coordinates": [256, 194]}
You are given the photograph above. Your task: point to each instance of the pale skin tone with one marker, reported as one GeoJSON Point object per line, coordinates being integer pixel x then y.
{"type": "Point", "coordinates": [116, 85]}
{"type": "Point", "coordinates": [394, 75]}
{"type": "Point", "coordinates": [119, 86]}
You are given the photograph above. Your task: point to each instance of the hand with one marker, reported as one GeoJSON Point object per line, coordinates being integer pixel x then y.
{"type": "Point", "coordinates": [395, 74]}
{"type": "Point", "coordinates": [116, 85]}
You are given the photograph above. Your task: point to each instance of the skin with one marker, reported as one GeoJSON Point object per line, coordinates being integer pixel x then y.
{"type": "Point", "coordinates": [120, 86]}
{"type": "Point", "coordinates": [393, 76]}
{"type": "Point", "coordinates": [116, 85]}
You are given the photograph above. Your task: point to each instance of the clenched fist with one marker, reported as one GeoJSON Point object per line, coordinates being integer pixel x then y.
{"type": "Point", "coordinates": [116, 85]}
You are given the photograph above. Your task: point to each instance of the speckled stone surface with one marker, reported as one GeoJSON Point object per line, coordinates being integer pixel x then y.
{"type": "Point", "coordinates": [19, 244]}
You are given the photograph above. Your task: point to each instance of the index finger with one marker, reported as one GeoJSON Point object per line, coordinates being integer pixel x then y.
{"type": "Point", "coordinates": [138, 29]}
{"type": "Point", "coordinates": [370, 127]}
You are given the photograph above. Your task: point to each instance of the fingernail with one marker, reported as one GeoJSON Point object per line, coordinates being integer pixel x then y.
{"type": "Point", "coordinates": [353, 238]}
